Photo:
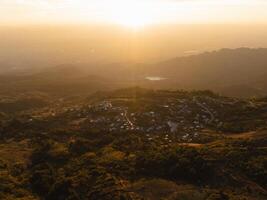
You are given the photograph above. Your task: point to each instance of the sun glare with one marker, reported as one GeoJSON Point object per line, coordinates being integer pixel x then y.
{"type": "Point", "coordinates": [134, 14]}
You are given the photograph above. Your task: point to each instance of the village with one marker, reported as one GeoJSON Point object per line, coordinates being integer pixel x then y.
{"type": "Point", "coordinates": [173, 120]}
{"type": "Point", "coordinates": [169, 120]}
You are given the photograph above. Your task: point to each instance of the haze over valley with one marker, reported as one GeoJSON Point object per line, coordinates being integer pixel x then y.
{"type": "Point", "coordinates": [133, 100]}
{"type": "Point", "coordinates": [231, 72]}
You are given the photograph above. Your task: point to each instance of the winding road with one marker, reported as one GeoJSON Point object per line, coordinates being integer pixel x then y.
{"type": "Point", "coordinates": [127, 119]}
{"type": "Point", "coordinates": [212, 117]}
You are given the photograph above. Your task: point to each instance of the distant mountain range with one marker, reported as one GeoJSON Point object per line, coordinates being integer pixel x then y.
{"type": "Point", "coordinates": [233, 72]}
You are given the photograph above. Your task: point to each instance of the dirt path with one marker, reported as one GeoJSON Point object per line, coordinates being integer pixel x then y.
{"type": "Point", "coordinates": [191, 144]}
{"type": "Point", "coordinates": [242, 135]}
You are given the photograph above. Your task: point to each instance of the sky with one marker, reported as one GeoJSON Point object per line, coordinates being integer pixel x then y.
{"type": "Point", "coordinates": [132, 13]}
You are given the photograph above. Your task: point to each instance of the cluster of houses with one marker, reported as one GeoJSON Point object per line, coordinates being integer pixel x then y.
{"type": "Point", "coordinates": [167, 120]}
{"type": "Point", "coordinates": [175, 120]}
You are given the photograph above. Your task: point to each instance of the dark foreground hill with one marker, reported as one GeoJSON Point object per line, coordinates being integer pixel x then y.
{"type": "Point", "coordinates": [136, 144]}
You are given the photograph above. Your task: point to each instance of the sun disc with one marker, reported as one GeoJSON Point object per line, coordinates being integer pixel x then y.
{"type": "Point", "coordinates": [132, 14]}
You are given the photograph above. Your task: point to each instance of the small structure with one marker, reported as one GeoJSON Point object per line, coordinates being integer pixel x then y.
{"type": "Point", "coordinates": [173, 126]}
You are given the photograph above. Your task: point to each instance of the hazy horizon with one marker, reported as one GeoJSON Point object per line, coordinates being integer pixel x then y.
{"type": "Point", "coordinates": [132, 13]}
{"type": "Point", "coordinates": [52, 32]}
{"type": "Point", "coordinates": [51, 45]}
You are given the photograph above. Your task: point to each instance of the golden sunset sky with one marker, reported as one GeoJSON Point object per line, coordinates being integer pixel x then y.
{"type": "Point", "coordinates": [132, 13]}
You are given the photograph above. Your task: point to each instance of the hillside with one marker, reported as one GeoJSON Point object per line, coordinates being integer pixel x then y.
{"type": "Point", "coordinates": [230, 72]}
{"type": "Point", "coordinates": [136, 144]}
{"type": "Point", "coordinates": [223, 71]}
{"type": "Point", "coordinates": [64, 80]}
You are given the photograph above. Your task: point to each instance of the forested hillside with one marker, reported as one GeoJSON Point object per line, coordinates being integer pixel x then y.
{"type": "Point", "coordinates": [135, 144]}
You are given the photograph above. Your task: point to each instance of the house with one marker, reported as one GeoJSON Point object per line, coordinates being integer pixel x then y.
{"type": "Point", "coordinates": [173, 126]}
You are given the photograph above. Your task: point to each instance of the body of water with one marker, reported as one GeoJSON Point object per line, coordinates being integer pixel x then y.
{"type": "Point", "coordinates": [155, 78]}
